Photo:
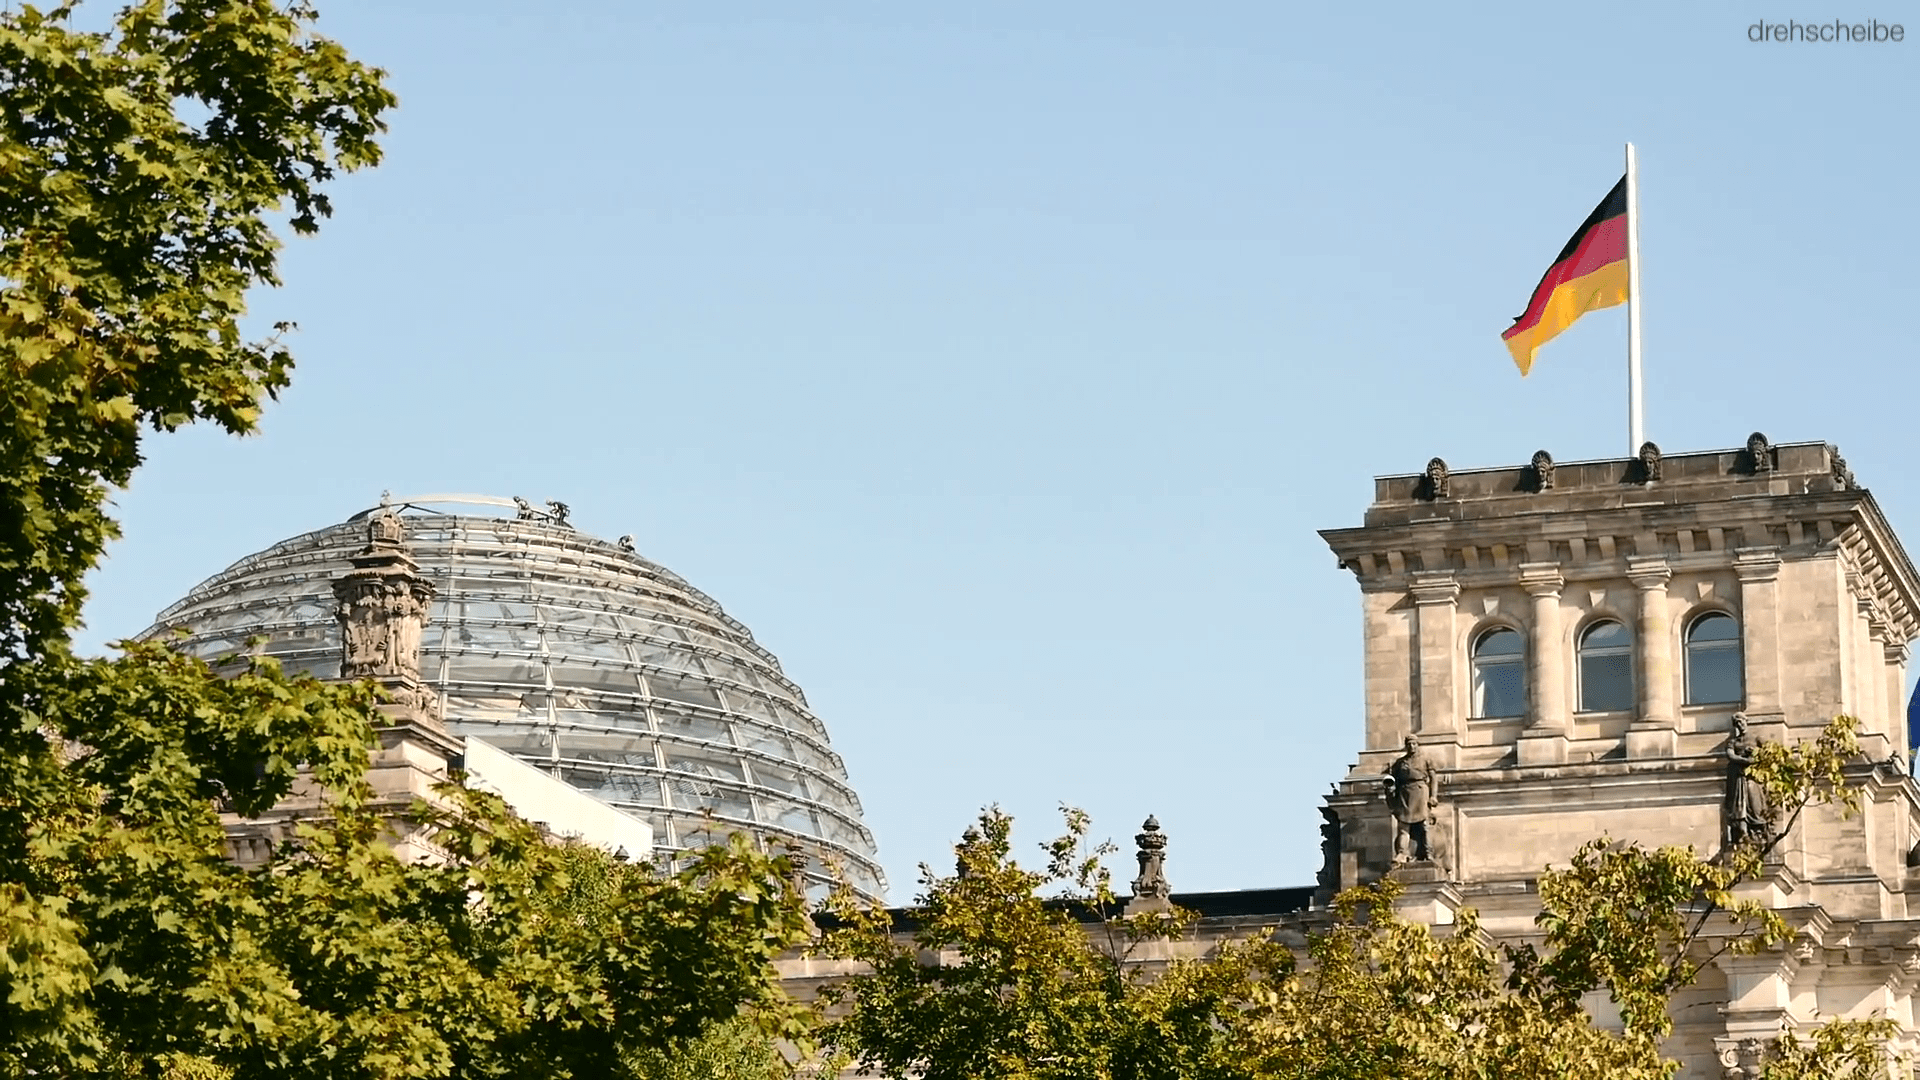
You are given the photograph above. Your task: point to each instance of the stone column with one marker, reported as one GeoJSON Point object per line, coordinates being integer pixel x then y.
{"type": "Point", "coordinates": [1895, 674]}
{"type": "Point", "coordinates": [1653, 732]}
{"type": "Point", "coordinates": [1436, 711]}
{"type": "Point", "coordinates": [1759, 572]}
{"type": "Point", "coordinates": [1545, 739]}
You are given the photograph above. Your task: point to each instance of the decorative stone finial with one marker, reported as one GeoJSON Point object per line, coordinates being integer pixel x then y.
{"type": "Point", "coordinates": [1649, 462]}
{"type": "Point", "coordinates": [1438, 484]}
{"type": "Point", "coordinates": [1759, 454]}
{"type": "Point", "coordinates": [1150, 889]}
{"type": "Point", "coordinates": [382, 608]}
{"type": "Point", "coordinates": [1542, 471]}
{"type": "Point", "coordinates": [968, 841]}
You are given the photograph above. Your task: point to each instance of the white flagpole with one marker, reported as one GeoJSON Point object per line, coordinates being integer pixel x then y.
{"type": "Point", "coordinates": [1635, 433]}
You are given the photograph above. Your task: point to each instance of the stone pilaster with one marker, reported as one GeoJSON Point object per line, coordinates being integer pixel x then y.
{"type": "Point", "coordinates": [1759, 572]}
{"type": "Point", "coordinates": [1654, 730]}
{"type": "Point", "coordinates": [1544, 741]}
{"type": "Point", "coordinates": [1436, 711]}
{"type": "Point", "coordinates": [1894, 654]}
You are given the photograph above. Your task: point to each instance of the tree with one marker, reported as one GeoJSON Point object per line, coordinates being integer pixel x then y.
{"type": "Point", "coordinates": [991, 976]}
{"type": "Point", "coordinates": [142, 171]}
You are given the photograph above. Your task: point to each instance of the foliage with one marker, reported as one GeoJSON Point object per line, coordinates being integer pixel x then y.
{"type": "Point", "coordinates": [143, 169]}
{"type": "Point", "coordinates": [733, 1050]}
{"type": "Point", "coordinates": [1007, 973]}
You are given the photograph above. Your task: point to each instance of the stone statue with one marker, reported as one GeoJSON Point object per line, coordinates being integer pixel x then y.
{"type": "Point", "coordinates": [1842, 476]}
{"type": "Point", "coordinates": [1413, 794]}
{"type": "Point", "coordinates": [1542, 471]}
{"type": "Point", "coordinates": [1439, 484]}
{"type": "Point", "coordinates": [1329, 877]}
{"type": "Point", "coordinates": [1649, 463]}
{"type": "Point", "coordinates": [1749, 814]}
{"type": "Point", "coordinates": [1760, 453]}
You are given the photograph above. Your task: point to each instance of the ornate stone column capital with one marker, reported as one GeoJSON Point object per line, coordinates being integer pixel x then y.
{"type": "Point", "coordinates": [1542, 579]}
{"type": "Point", "coordinates": [1435, 587]}
{"type": "Point", "coordinates": [1649, 574]}
{"type": "Point", "coordinates": [1756, 565]}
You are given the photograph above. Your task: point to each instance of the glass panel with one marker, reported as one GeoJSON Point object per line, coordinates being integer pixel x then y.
{"type": "Point", "coordinates": [1714, 628]}
{"type": "Point", "coordinates": [1498, 643]}
{"type": "Point", "coordinates": [1713, 661]}
{"type": "Point", "coordinates": [674, 688]}
{"type": "Point", "coordinates": [1499, 688]}
{"type": "Point", "coordinates": [1606, 669]}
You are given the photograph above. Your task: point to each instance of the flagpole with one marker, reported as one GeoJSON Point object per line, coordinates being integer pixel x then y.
{"type": "Point", "coordinates": [1635, 432]}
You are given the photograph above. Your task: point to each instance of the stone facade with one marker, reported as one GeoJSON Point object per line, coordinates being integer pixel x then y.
{"type": "Point", "coordinates": [1557, 651]}
{"type": "Point", "coordinates": [1611, 574]}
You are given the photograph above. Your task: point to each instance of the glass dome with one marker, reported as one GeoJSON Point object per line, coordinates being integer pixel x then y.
{"type": "Point", "coordinates": [577, 655]}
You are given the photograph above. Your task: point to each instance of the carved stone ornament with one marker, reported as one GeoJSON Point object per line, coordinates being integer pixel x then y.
{"type": "Point", "coordinates": [1542, 471]}
{"type": "Point", "coordinates": [968, 841]}
{"type": "Point", "coordinates": [1437, 485]}
{"type": "Point", "coordinates": [382, 608]}
{"type": "Point", "coordinates": [1151, 852]}
{"type": "Point", "coordinates": [1842, 476]}
{"type": "Point", "coordinates": [1413, 796]}
{"type": "Point", "coordinates": [1649, 463]}
{"type": "Point", "coordinates": [1150, 889]}
{"type": "Point", "coordinates": [1749, 814]}
{"type": "Point", "coordinates": [1759, 454]}
{"type": "Point", "coordinates": [1329, 877]}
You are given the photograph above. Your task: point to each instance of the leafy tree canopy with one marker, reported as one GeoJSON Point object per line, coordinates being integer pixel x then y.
{"type": "Point", "coordinates": [1008, 973]}
{"type": "Point", "coordinates": [144, 168]}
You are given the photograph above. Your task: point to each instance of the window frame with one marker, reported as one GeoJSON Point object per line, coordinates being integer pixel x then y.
{"type": "Point", "coordinates": [1735, 645]}
{"type": "Point", "coordinates": [1518, 660]}
{"type": "Point", "coordinates": [1581, 652]}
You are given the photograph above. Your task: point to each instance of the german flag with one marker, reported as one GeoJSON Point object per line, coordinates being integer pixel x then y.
{"type": "Point", "coordinates": [1590, 274]}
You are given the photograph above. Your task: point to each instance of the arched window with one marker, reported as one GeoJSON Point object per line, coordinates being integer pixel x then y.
{"type": "Point", "coordinates": [1713, 660]}
{"type": "Point", "coordinates": [1606, 668]}
{"type": "Point", "coordinates": [1499, 675]}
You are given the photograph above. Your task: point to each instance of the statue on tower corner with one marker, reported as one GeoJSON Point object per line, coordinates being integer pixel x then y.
{"type": "Point", "coordinates": [1413, 794]}
{"type": "Point", "coordinates": [1749, 811]}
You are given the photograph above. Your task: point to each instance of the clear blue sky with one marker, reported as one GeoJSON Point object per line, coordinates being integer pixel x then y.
{"type": "Point", "coordinates": [997, 364]}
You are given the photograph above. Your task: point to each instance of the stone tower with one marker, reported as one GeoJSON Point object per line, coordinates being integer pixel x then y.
{"type": "Point", "coordinates": [382, 610]}
{"type": "Point", "coordinates": [1570, 645]}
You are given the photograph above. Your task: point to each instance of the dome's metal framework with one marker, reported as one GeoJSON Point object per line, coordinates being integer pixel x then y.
{"type": "Point", "coordinates": [575, 654]}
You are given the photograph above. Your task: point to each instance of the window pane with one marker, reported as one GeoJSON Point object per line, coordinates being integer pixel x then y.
{"type": "Point", "coordinates": [1498, 643]}
{"type": "Point", "coordinates": [1605, 635]}
{"type": "Point", "coordinates": [1606, 682]}
{"type": "Point", "coordinates": [1499, 688]}
{"type": "Point", "coordinates": [1714, 628]}
{"type": "Point", "coordinates": [1713, 674]}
